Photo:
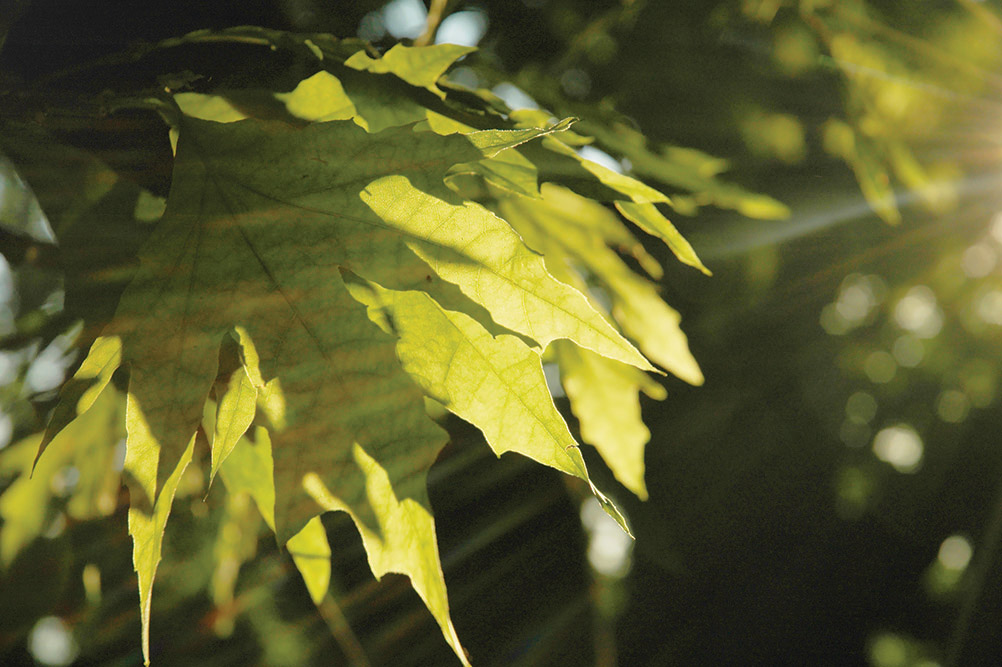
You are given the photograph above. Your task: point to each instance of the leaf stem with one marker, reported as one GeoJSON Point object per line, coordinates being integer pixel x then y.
{"type": "Point", "coordinates": [435, 12]}
{"type": "Point", "coordinates": [341, 630]}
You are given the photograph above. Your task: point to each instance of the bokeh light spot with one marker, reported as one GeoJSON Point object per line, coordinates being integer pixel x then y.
{"type": "Point", "coordinates": [978, 260]}
{"type": "Point", "coordinates": [908, 351]}
{"type": "Point", "coordinates": [514, 97]}
{"type": "Point", "coordinates": [900, 446]}
{"type": "Point", "coordinates": [51, 642]}
{"type": "Point", "coordinates": [880, 367]}
{"type": "Point", "coordinates": [955, 552]}
{"type": "Point", "coordinates": [465, 28]}
{"type": "Point", "coordinates": [405, 19]}
{"type": "Point", "coordinates": [918, 312]}
{"type": "Point", "coordinates": [861, 407]}
{"type": "Point", "coordinates": [609, 548]}
{"type": "Point", "coordinates": [989, 307]}
{"type": "Point", "coordinates": [952, 406]}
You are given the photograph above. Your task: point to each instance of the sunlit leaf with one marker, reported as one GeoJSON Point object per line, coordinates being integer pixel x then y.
{"type": "Point", "coordinates": [148, 510]}
{"type": "Point", "coordinates": [78, 464]}
{"type": "Point", "coordinates": [604, 396]}
{"type": "Point", "coordinates": [572, 232]}
{"type": "Point", "coordinates": [648, 218]}
{"type": "Point", "coordinates": [78, 394]}
{"type": "Point", "coordinates": [312, 555]}
{"type": "Point", "coordinates": [420, 66]}
{"type": "Point", "coordinates": [495, 383]}
{"type": "Point", "coordinates": [233, 417]}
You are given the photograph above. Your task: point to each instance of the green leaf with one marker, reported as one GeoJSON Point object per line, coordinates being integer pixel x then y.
{"type": "Point", "coordinates": [495, 383]}
{"type": "Point", "coordinates": [572, 233]}
{"type": "Point", "coordinates": [404, 540]}
{"type": "Point", "coordinates": [234, 415]}
{"type": "Point", "coordinates": [685, 168]}
{"type": "Point", "coordinates": [509, 171]}
{"type": "Point", "coordinates": [236, 543]}
{"type": "Point", "coordinates": [637, 191]}
{"type": "Point", "coordinates": [420, 66]}
{"type": "Point", "coordinates": [148, 510]}
{"type": "Point", "coordinates": [250, 469]}
{"type": "Point", "coordinates": [649, 219]}
{"type": "Point", "coordinates": [319, 97]}
{"type": "Point", "coordinates": [86, 444]}
{"type": "Point", "coordinates": [98, 218]}
{"type": "Point", "coordinates": [646, 318]}
{"type": "Point", "coordinates": [209, 107]}
{"type": "Point", "coordinates": [78, 394]}
{"type": "Point", "coordinates": [604, 396]}
{"type": "Point", "coordinates": [311, 552]}
{"type": "Point", "coordinates": [246, 244]}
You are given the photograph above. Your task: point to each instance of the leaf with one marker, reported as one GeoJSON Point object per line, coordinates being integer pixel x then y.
{"type": "Point", "coordinates": [604, 397]}
{"type": "Point", "coordinates": [685, 168]}
{"type": "Point", "coordinates": [572, 231]}
{"type": "Point", "coordinates": [236, 543]}
{"type": "Point", "coordinates": [243, 244]}
{"type": "Point", "coordinates": [148, 510]}
{"type": "Point", "coordinates": [86, 445]}
{"type": "Point", "coordinates": [74, 190]}
{"type": "Point", "coordinates": [251, 472]}
{"type": "Point", "coordinates": [478, 251]}
{"type": "Point", "coordinates": [311, 552]}
{"type": "Point", "coordinates": [233, 417]}
{"type": "Point", "coordinates": [78, 394]}
{"type": "Point", "coordinates": [637, 191]}
{"type": "Point", "coordinates": [250, 469]}
{"type": "Point", "coordinates": [648, 218]}
{"type": "Point", "coordinates": [420, 66]}
{"type": "Point", "coordinates": [640, 209]}
{"type": "Point", "coordinates": [209, 107]}
{"type": "Point", "coordinates": [319, 97]}
{"type": "Point", "coordinates": [495, 383]}
{"type": "Point", "coordinates": [509, 171]}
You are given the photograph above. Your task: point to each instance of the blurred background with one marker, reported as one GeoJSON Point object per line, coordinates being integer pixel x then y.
{"type": "Point", "coordinates": [831, 496]}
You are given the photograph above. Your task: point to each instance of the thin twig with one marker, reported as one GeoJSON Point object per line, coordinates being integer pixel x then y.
{"type": "Point", "coordinates": [341, 630]}
{"type": "Point", "coordinates": [435, 13]}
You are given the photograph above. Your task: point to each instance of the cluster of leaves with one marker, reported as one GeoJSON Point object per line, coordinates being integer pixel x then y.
{"type": "Point", "coordinates": [902, 75]}
{"type": "Point", "coordinates": [333, 266]}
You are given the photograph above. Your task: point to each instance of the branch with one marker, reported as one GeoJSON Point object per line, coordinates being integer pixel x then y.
{"type": "Point", "coordinates": [435, 13]}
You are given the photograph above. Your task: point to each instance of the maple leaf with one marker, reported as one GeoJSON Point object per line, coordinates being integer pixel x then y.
{"type": "Point", "coordinates": [262, 219]}
{"type": "Point", "coordinates": [308, 286]}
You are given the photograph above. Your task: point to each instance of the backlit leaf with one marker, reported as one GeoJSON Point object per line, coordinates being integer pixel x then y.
{"type": "Point", "coordinates": [604, 396]}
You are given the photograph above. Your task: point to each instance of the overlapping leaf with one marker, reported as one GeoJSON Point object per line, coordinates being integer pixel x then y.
{"type": "Point", "coordinates": [274, 237]}
{"type": "Point", "coordinates": [262, 217]}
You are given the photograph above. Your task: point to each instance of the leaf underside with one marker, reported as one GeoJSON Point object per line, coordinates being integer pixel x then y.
{"type": "Point", "coordinates": [354, 274]}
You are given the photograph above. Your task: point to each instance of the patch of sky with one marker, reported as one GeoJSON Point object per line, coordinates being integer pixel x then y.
{"type": "Point", "coordinates": [514, 97]}
{"type": "Point", "coordinates": [466, 27]}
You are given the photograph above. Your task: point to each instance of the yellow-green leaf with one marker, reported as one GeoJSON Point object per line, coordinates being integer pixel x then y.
{"type": "Point", "coordinates": [234, 414]}
{"type": "Point", "coordinates": [319, 97]}
{"type": "Point", "coordinates": [571, 231]}
{"type": "Point", "coordinates": [649, 219]}
{"type": "Point", "coordinates": [604, 396]}
{"type": "Point", "coordinates": [311, 552]}
{"type": "Point", "coordinates": [78, 395]}
{"type": "Point", "coordinates": [86, 445]}
{"type": "Point", "coordinates": [420, 66]}
{"type": "Point", "coordinates": [148, 511]}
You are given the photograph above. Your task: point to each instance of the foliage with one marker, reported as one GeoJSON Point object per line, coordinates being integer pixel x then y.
{"type": "Point", "coordinates": [337, 260]}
